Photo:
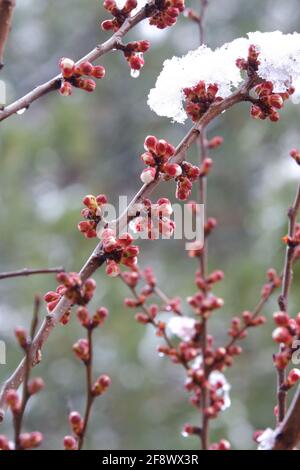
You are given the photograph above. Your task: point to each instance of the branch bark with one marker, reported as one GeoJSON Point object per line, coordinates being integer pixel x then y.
{"type": "Point", "coordinates": [6, 13]}
{"type": "Point", "coordinates": [30, 272]}
{"type": "Point", "coordinates": [98, 257]}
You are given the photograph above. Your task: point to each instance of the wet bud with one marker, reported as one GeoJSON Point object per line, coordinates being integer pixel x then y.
{"type": "Point", "coordinates": [66, 89]}
{"type": "Point", "coordinates": [112, 269]}
{"type": "Point", "coordinates": [100, 316]}
{"type": "Point", "coordinates": [76, 422]}
{"type": "Point", "coordinates": [293, 377]}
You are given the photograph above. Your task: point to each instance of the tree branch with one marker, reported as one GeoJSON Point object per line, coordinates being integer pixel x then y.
{"type": "Point", "coordinates": [98, 51]}
{"type": "Point", "coordinates": [30, 272]}
{"type": "Point", "coordinates": [6, 13]}
{"type": "Point", "coordinates": [288, 433]}
{"type": "Point", "coordinates": [283, 298]}
{"type": "Point", "coordinates": [98, 257]}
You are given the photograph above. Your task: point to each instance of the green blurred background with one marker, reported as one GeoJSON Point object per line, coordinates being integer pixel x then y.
{"type": "Point", "coordinates": [64, 148]}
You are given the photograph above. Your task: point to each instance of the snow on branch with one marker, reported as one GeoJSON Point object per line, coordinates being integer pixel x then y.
{"type": "Point", "coordinates": [279, 56]}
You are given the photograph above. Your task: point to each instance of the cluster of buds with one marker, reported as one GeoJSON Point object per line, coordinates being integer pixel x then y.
{"type": "Point", "coordinates": [166, 13]}
{"type": "Point", "coordinates": [92, 214]}
{"type": "Point", "coordinates": [13, 401]}
{"type": "Point", "coordinates": [287, 330]}
{"type": "Point", "coordinates": [273, 282]}
{"type": "Point", "coordinates": [154, 219]}
{"type": "Point", "coordinates": [251, 64]}
{"type": "Point", "coordinates": [5, 444]}
{"type": "Point", "coordinates": [156, 157]}
{"type": "Point", "coordinates": [238, 327]}
{"type": "Point", "coordinates": [295, 154]}
{"type": "Point", "coordinates": [199, 98]}
{"type": "Point", "coordinates": [268, 103]}
{"type": "Point", "coordinates": [189, 174]}
{"type": "Point", "coordinates": [120, 15]}
{"type": "Point", "coordinates": [134, 54]}
{"type": "Point", "coordinates": [204, 305]}
{"type": "Point", "coordinates": [77, 291]}
{"type": "Point", "coordinates": [293, 241]}
{"type": "Point", "coordinates": [216, 386]}
{"type": "Point", "coordinates": [206, 284]}
{"type": "Point", "coordinates": [96, 320]}
{"type": "Point", "coordinates": [118, 251]}
{"type": "Point", "coordinates": [74, 75]}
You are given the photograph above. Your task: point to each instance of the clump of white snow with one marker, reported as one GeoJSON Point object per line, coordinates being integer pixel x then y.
{"type": "Point", "coordinates": [279, 62]}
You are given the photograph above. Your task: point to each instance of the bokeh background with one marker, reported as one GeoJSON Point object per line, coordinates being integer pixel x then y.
{"type": "Point", "coordinates": [64, 148]}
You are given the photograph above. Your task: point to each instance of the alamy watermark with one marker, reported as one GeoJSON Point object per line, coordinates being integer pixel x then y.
{"type": "Point", "coordinates": [2, 353]}
{"type": "Point", "coordinates": [162, 220]}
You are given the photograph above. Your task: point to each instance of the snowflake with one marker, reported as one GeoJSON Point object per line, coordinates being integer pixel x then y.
{"type": "Point", "coordinates": [279, 62]}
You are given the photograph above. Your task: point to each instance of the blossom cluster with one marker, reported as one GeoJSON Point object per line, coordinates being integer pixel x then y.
{"type": "Point", "coordinates": [154, 219]}
{"type": "Point", "coordinates": [134, 54]}
{"type": "Point", "coordinates": [92, 214]}
{"type": "Point", "coordinates": [162, 14]}
{"type": "Point", "coordinates": [119, 14]}
{"type": "Point", "coordinates": [167, 13]}
{"type": "Point", "coordinates": [287, 330]}
{"type": "Point", "coordinates": [77, 291]}
{"type": "Point", "coordinates": [199, 98]}
{"type": "Point", "coordinates": [118, 251]}
{"type": "Point", "coordinates": [73, 75]}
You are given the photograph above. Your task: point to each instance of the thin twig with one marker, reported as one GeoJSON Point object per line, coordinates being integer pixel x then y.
{"type": "Point", "coordinates": [283, 298]}
{"type": "Point", "coordinates": [89, 395]}
{"type": "Point", "coordinates": [6, 12]}
{"type": "Point", "coordinates": [30, 272]}
{"type": "Point", "coordinates": [18, 417]}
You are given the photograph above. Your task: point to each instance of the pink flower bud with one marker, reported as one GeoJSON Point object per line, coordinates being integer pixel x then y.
{"type": "Point", "coordinates": [76, 422]}
{"type": "Point", "coordinates": [83, 316]}
{"type": "Point", "coordinates": [4, 443]}
{"type": "Point", "coordinates": [66, 89]}
{"type": "Point", "coordinates": [35, 386]}
{"type": "Point", "coordinates": [67, 67]}
{"type": "Point", "coordinates": [150, 143]}
{"type": "Point", "coordinates": [30, 440]}
{"type": "Point", "coordinates": [112, 269]}
{"type": "Point", "coordinates": [81, 349]}
{"type": "Point", "coordinates": [100, 316]}
{"type": "Point", "coordinates": [70, 443]}
{"type": "Point", "coordinates": [172, 169]}
{"type": "Point", "coordinates": [293, 377]}
{"type": "Point", "coordinates": [85, 68]}
{"type": "Point", "coordinates": [282, 335]}
{"type": "Point", "coordinates": [101, 385]}
{"type": "Point", "coordinates": [148, 175]}
{"type": "Point", "coordinates": [98, 72]}
{"type": "Point", "coordinates": [21, 335]}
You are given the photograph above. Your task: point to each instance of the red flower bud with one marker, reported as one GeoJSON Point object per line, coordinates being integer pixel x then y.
{"type": "Point", "coordinates": [70, 443]}
{"type": "Point", "coordinates": [101, 385]}
{"type": "Point", "coordinates": [35, 386]}
{"type": "Point", "coordinates": [98, 71]}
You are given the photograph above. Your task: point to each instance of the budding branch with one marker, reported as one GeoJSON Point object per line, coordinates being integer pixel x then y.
{"type": "Point", "coordinates": [98, 257]}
